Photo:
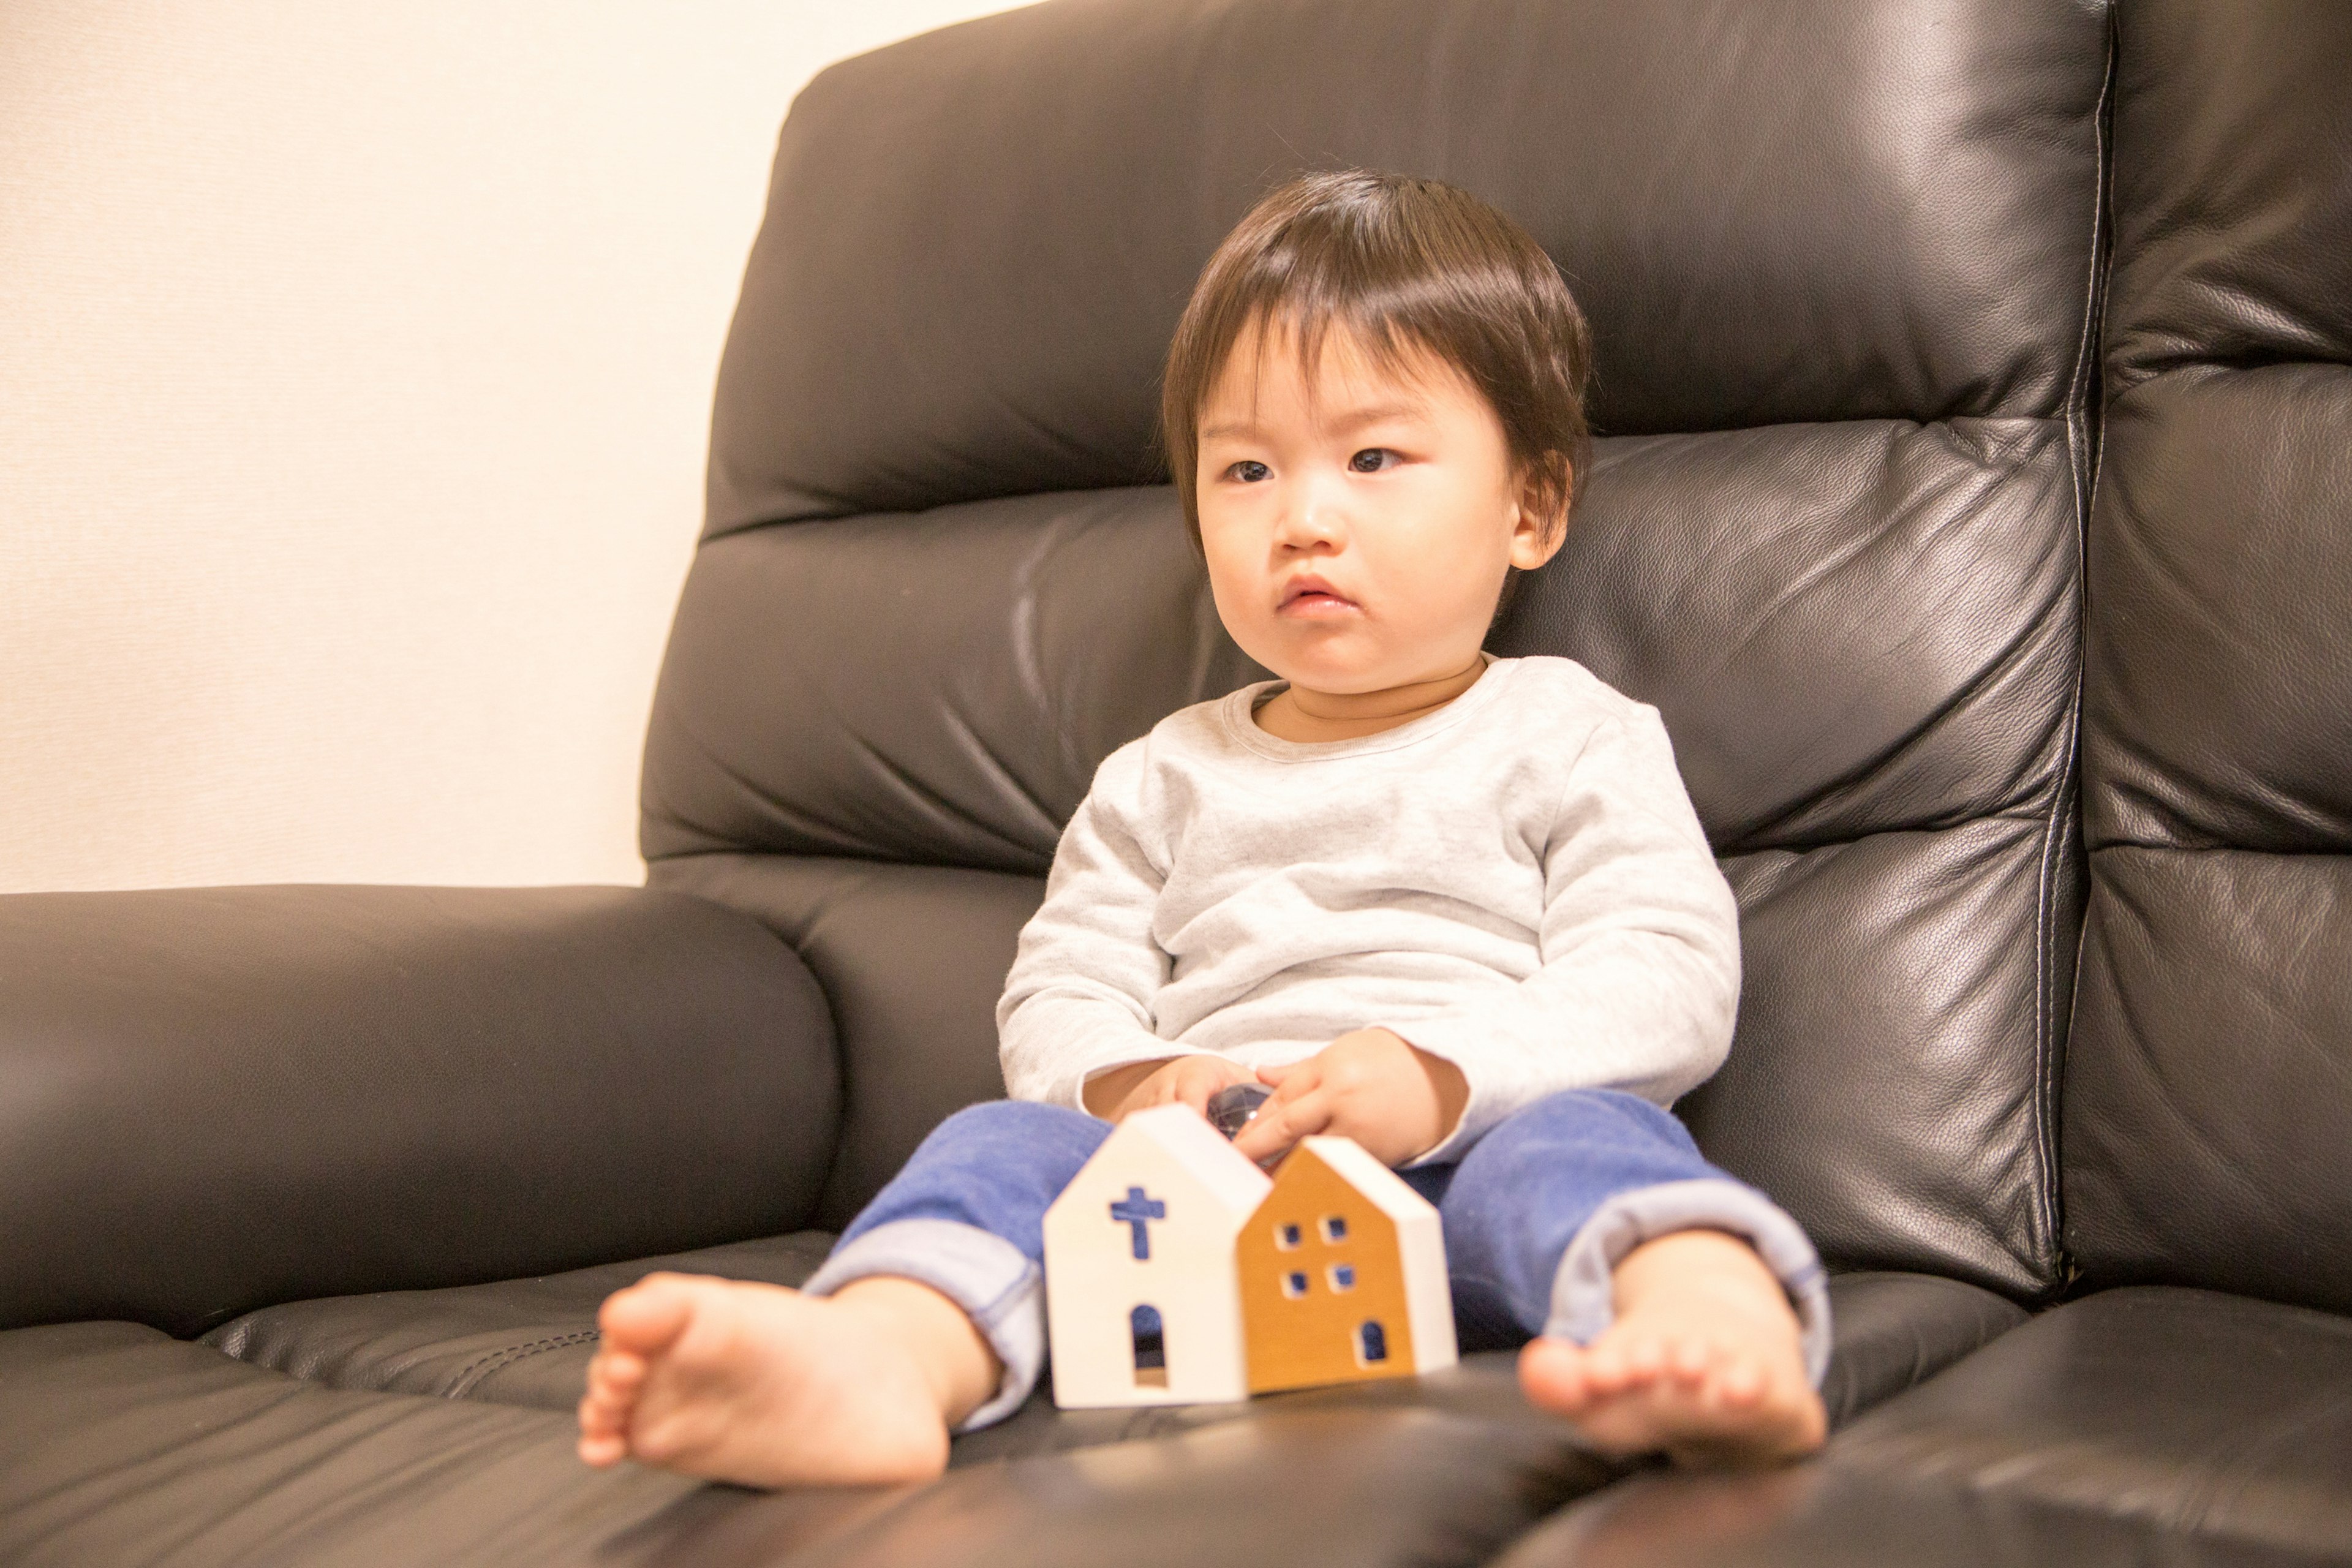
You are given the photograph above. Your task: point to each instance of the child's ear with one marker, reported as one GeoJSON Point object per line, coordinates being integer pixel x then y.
{"type": "Point", "coordinates": [1545, 486]}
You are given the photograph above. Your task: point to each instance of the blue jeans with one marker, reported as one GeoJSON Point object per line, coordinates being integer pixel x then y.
{"type": "Point", "coordinates": [1535, 1216]}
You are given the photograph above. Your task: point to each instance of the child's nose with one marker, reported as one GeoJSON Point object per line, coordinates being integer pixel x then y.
{"type": "Point", "coordinates": [1313, 516]}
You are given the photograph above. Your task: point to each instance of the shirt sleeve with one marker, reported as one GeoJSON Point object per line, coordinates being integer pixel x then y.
{"type": "Point", "coordinates": [1079, 1000]}
{"type": "Point", "coordinates": [1639, 984]}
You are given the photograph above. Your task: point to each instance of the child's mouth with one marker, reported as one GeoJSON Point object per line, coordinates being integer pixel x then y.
{"type": "Point", "coordinates": [1312, 598]}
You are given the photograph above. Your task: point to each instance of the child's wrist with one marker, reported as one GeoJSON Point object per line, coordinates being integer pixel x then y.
{"type": "Point", "coordinates": [1450, 1087]}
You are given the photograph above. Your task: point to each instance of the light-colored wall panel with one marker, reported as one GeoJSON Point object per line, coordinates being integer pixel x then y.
{"type": "Point", "coordinates": [355, 370]}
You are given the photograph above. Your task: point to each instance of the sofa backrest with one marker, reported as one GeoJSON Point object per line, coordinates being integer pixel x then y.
{"type": "Point", "coordinates": [1840, 260]}
{"type": "Point", "coordinates": [2208, 1086]}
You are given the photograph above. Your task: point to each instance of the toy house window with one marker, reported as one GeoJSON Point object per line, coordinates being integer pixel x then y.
{"type": "Point", "coordinates": [1335, 1227]}
{"type": "Point", "coordinates": [1286, 1237]}
{"type": "Point", "coordinates": [1150, 1347]}
{"type": "Point", "coordinates": [1294, 1285]}
{"type": "Point", "coordinates": [1372, 1344]}
{"type": "Point", "coordinates": [1343, 1276]}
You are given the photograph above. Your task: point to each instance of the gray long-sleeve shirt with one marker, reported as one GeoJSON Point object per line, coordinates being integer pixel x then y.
{"type": "Point", "coordinates": [1515, 882]}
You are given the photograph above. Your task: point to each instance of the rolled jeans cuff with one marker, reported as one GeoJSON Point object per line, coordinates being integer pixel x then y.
{"type": "Point", "coordinates": [999, 1289]}
{"type": "Point", "coordinates": [1583, 1298]}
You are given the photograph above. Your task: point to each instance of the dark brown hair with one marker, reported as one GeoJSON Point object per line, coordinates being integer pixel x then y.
{"type": "Point", "coordinates": [1400, 264]}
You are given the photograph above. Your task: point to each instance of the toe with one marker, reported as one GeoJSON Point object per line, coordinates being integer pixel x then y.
{"type": "Point", "coordinates": [604, 1415]}
{"type": "Point", "coordinates": [1606, 1372]}
{"type": "Point", "coordinates": [617, 1371]}
{"type": "Point", "coordinates": [1621, 1366]}
{"type": "Point", "coordinates": [1552, 1377]}
{"type": "Point", "coordinates": [601, 1451]}
{"type": "Point", "coordinates": [1741, 1384]}
{"type": "Point", "coordinates": [647, 1318]}
{"type": "Point", "coordinates": [614, 1379]}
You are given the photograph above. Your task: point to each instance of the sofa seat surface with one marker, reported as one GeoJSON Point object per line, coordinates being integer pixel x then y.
{"type": "Point", "coordinates": [2144, 1425]}
{"type": "Point", "coordinates": [435, 1426]}
{"type": "Point", "coordinates": [118, 1444]}
{"type": "Point", "coordinates": [528, 1342]}
{"type": "Point", "coordinates": [513, 1341]}
{"type": "Point", "coordinates": [1893, 1329]}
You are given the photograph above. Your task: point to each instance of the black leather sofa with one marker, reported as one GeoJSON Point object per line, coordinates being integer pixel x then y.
{"type": "Point", "coordinates": [1975, 500]}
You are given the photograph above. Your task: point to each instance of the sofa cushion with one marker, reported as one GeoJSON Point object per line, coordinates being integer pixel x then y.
{"type": "Point", "coordinates": [913, 960]}
{"type": "Point", "coordinates": [118, 1445]}
{"type": "Point", "coordinates": [1893, 1331]}
{"type": "Point", "coordinates": [528, 1342]}
{"type": "Point", "coordinates": [513, 1341]}
{"type": "Point", "coordinates": [2209, 1084]}
{"type": "Point", "coordinates": [111, 1438]}
{"type": "Point", "coordinates": [978, 241]}
{"type": "Point", "coordinates": [223, 1097]}
{"type": "Point", "coordinates": [1860, 635]}
{"type": "Point", "coordinates": [944, 687]}
{"type": "Point", "coordinates": [2140, 1426]}
{"type": "Point", "coordinates": [1407, 1484]}
{"type": "Point", "coordinates": [1765, 588]}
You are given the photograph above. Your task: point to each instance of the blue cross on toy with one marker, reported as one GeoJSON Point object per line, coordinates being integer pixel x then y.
{"type": "Point", "coordinates": [1137, 1210]}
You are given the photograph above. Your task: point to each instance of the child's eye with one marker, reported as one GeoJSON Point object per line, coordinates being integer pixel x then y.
{"type": "Point", "coordinates": [1249, 471]}
{"type": "Point", "coordinates": [1373, 459]}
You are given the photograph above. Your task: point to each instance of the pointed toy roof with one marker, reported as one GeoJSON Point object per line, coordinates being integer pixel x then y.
{"type": "Point", "coordinates": [1383, 1187]}
{"type": "Point", "coordinates": [1178, 1133]}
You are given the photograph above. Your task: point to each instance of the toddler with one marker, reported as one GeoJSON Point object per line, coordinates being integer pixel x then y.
{"type": "Point", "coordinates": [1456, 908]}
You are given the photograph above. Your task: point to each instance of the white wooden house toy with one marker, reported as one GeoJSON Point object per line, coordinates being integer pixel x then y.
{"type": "Point", "coordinates": [1142, 1302]}
{"type": "Point", "coordinates": [1342, 1274]}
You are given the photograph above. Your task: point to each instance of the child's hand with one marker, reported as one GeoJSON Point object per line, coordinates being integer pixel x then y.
{"type": "Point", "coordinates": [1369, 1085]}
{"type": "Point", "coordinates": [1180, 1080]}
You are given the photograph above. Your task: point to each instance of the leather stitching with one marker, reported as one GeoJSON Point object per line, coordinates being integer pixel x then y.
{"type": "Point", "coordinates": [499, 1360]}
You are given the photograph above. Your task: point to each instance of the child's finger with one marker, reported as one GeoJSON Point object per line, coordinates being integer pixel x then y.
{"type": "Point", "coordinates": [1261, 1141]}
{"type": "Point", "coordinates": [1279, 1124]}
{"type": "Point", "coordinates": [1308, 1115]}
{"type": "Point", "coordinates": [1198, 1087]}
{"type": "Point", "coordinates": [1183, 1080]}
{"type": "Point", "coordinates": [1273, 1077]}
{"type": "Point", "coordinates": [1263, 1137]}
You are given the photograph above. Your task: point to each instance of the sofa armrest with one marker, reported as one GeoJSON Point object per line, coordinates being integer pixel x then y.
{"type": "Point", "coordinates": [215, 1099]}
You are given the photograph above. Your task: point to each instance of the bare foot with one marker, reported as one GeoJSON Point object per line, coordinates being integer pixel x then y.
{"type": "Point", "coordinates": [768, 1387]}
{"type": "Point", "coordinates": [1703, 1361]}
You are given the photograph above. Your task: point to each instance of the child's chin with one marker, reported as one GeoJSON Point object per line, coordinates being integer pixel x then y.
{"type": "Point", "coordinates": [1335, 680]}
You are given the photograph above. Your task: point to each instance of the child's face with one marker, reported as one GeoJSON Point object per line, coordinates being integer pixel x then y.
{"type": "Point", "coordinates": [1358, 524]}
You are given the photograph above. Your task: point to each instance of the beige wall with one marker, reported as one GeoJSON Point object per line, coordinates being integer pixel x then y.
{"type": "Point", "coordinates": [355, 366]}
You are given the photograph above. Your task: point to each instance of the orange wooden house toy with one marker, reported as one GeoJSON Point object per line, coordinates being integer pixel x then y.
{"type": "Point", "coordinates": [1342, 1273]}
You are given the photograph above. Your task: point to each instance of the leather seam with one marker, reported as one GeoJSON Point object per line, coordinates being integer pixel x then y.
{"type": "Point", "coordinates": [483, 1368]}
{"type": "Point", "coordinates": [2089, 385]}
{"type": "Point", "coordinates": [2037, 819]}
{"type": "Point", "coordinates": [2049, 1055]}
{"type": "Point", "coordinates": [2217, 849]}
